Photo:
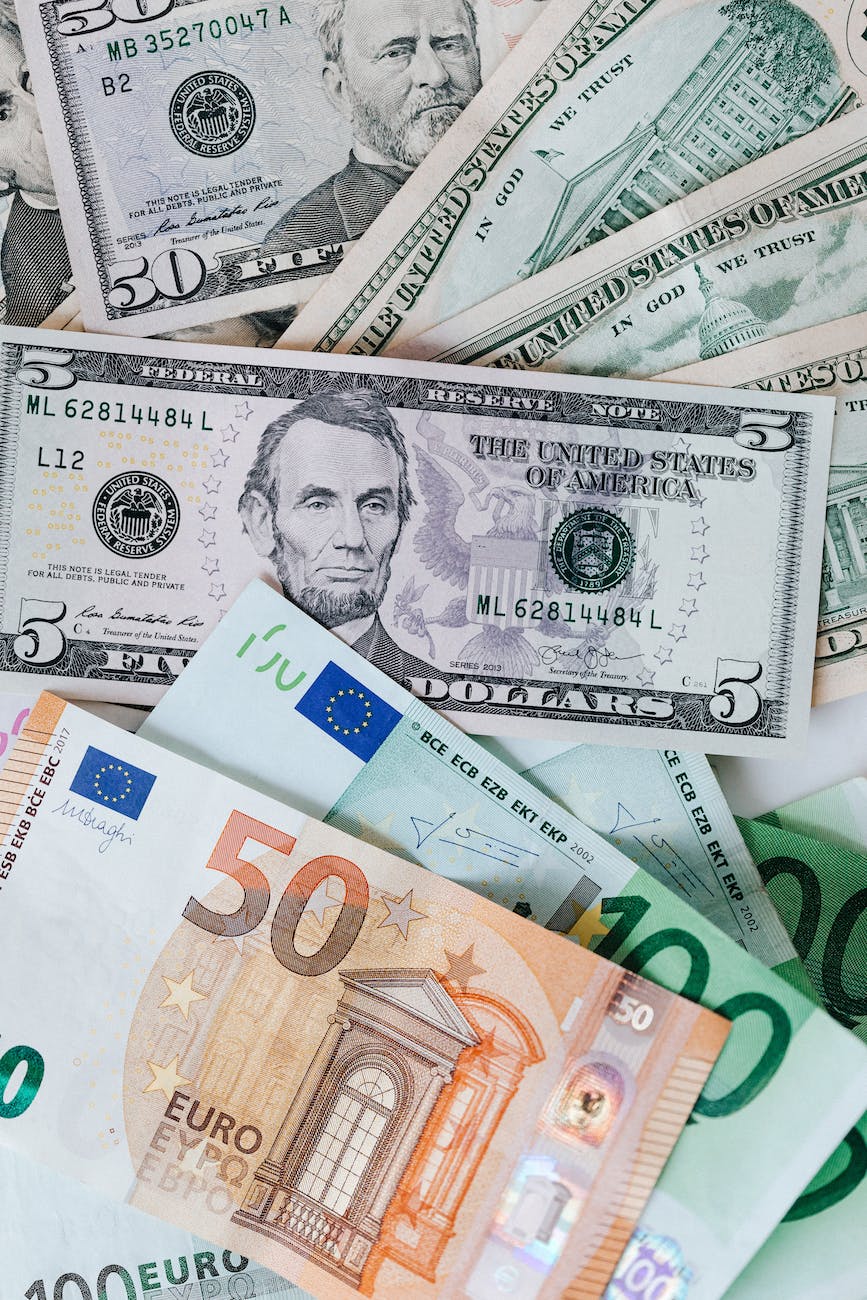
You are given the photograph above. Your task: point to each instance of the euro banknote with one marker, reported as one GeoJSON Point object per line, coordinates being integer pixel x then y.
{"type": "Point", "coordinates": [191, 1036]}
{"type": "Point", "coordinates": [813, 856]}
{"type": "Point", "coordinates": [775, 247]}
{"type": "Point", "coordinates": [73, 1237]}
{"type": "Point", "coordinates": [602, 559]}
{"type": "Point", "coordinates": [666, 812]}
{"type": "Point", "coordinates": [830, 358]}
{"type": "Point", "coordinates": [61, 1239]}
{"type": "Point", "coordinates": [212, 158]}
{"type": "Point", "coordinates": [432, 795]}
{"type": "Point", "coordinates": [554, 155]}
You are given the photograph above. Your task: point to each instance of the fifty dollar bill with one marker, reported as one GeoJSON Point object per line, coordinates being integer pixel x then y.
{"type": "Point", "coordinates": [212, 157]}
{"type": "Point", "coordinates": [597, 559]}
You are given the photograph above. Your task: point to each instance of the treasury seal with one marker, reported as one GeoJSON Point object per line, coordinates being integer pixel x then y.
{"type": "Point", "coordinates": [592, 549]}
{"type": "Point", "coordinates": [212, 114]}
{"type": "Point", "coordinates": [136, 515]}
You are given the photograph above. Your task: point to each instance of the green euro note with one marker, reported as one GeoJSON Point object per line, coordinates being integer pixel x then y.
{"type": "Point", "coordinates": [812, 855]}
{"type": "Point", "coordinates": [587, 130]}
{"type": "Point", "coordinates": [775, 247]}
{"type": "Point", "coordinates": [433, 795]}
{"type": "Point", "coordinates": [664, 810]}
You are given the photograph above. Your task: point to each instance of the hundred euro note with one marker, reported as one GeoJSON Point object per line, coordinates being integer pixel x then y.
{"type": "Point", "coordinates": [666, 812]}
{"type": "Point", "coordinates": [195, 1035]}
{"type": "Point", "coordinates": [775, 247]}
{"type": "Point", "coordinates": [59, 1238]}
{"type": "Point", "coordinates": [830, 358]}
{"type": "Point", "coordinates": [557, 154]}
{"type": "Point", "coordinates": [813, 857]}
{"type": "Point", "coordinates": [213, 157]}
{"type": "Point", "coordinates": [586, 559]}
{"type": "Point", "coordinates": [433, 795]}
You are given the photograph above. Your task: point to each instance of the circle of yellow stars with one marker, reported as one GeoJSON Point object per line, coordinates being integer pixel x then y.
{"type": "Point", "coordinates": [112, 767]}
{"type": "Point", "coordinates": [362, 700]}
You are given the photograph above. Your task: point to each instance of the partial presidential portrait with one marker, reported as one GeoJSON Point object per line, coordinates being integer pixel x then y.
{"type": "Point", "coordinates": [399, 73]}
{"type": "Point", "coordinates": [34, 262]}
{"type": "Point", "coordinates": [325, 502]}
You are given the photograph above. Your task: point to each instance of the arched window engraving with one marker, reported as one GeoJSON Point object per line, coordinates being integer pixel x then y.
{"type": "Point", "coordinates": [348, 1138]}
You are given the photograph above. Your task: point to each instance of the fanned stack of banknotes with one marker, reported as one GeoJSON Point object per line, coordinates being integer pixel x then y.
{"type": "Point", "coordinates": [372, 919]}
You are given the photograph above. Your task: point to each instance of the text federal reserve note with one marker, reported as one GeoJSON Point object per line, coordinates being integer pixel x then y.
{"type": "Point", "coordinates": [432, 795]}
{"type": "Point", "coordinates": [832, 359]}
{"type": "Point", "coordinates": [556, 155]}
{"type": "Point", "coordinates": [813, 857]}
{"type": "Point", "coordinates": [628, 562]}
{"type": "Point", "coordinates": [271, 1079]}
{"type": "Point", "coordinates": [777, 246]}
{"type": "Point", "coordinates": [213, 157]}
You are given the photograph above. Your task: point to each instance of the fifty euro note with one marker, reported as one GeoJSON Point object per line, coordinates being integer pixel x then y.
{"type": "Point", "coordinates": [275, 701]}
{"type": "Point", "coordinates": [586, 559]}
{"type": "Point", "coordinates": [196, 1037]}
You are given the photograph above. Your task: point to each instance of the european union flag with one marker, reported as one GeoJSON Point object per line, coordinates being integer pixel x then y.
{"type": "Point", "coordinates": [113, 784]}
{"type": "Point", "coordinates": [348, 712]}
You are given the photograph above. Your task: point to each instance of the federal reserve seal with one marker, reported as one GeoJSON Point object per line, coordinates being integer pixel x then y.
{"type": "Point", "coordinates": [592, 549]}
{"type": "Point", "coordinates": [136, 515]}
{"type": "Point", "coordinates": [212, 114]}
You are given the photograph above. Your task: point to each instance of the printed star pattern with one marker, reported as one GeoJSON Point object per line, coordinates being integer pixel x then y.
{"type": "Point", "coordinates": [167, 1078]}
{"type": "Point", "coordinates": [362, 699]}
{"type": "Point", "coordinates": [181, 994]}
{"type": "Point", "coordinates": [462, 968]}
{"type": "Point", "coordinates": [401, 913]}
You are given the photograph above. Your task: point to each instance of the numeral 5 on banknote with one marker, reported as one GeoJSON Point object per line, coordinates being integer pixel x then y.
{"type": "Point", "coordinates": [536, 555]}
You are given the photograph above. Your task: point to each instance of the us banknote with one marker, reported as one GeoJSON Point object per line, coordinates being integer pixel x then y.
{"type": "Point", "coordinates": [212, 157]}
{"type": "Point", "coordinates": [270, 1081]}
{"type": "Point", "coordinates": [776, 247]}
{"type": "Point", "coordinates": [589, 559]}
{"type": "Point", "coordinates": [830, 358]}
{"type": "Point", "coordinates": [433, 796]}
{"type": "Point", "coordinates": [35, 275]}
{"type": "Point", "coordinates": [665, 810]}
{"type": "Point", "coordinates": [813, 856]}
{"type": "Point", "coordinates": [555, 155]}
